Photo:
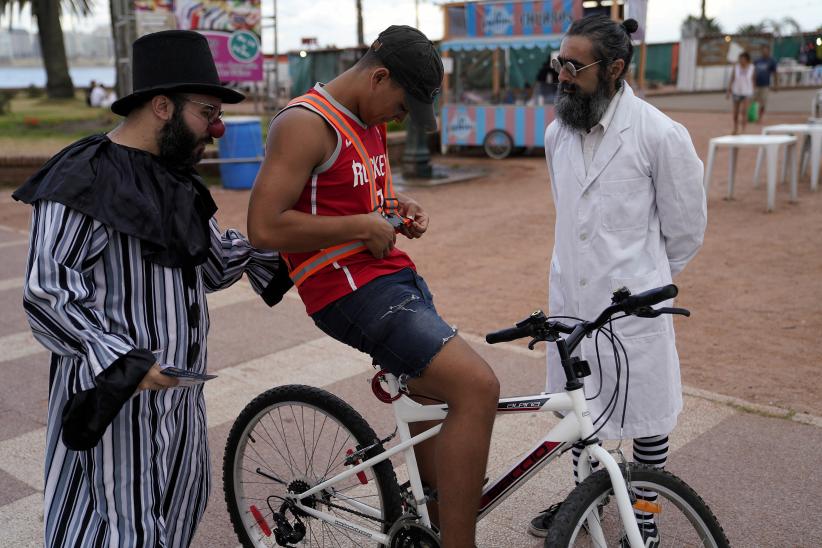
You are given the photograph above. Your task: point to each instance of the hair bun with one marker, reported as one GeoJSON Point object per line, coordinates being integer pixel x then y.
{"type": "Point", "coordinates": [630, 25]}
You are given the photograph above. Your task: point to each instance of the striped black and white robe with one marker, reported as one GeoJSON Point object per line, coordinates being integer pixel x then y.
{"type": "Point", "coordinates": [90, 298]}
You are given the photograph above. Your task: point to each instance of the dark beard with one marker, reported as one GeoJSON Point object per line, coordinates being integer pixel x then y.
{"type": "Point", "coordinates": [178, 143]}
{"type": "Point", "coordinates": [581, 111]}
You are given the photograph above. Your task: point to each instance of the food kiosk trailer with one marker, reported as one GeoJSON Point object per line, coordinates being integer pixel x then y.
{"type": "Point", "coordinates": [493, 52]}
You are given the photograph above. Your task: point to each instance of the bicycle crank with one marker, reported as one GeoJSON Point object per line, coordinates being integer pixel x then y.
{"type": "Point", "coordinates": [406, 533]}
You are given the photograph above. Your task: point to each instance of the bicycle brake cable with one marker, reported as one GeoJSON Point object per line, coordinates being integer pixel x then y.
{"type": "Point", "coordinates": [613, 401]}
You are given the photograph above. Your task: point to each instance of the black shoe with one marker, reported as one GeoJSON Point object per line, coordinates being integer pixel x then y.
{"type": "Point", "coordinates": [650, 534]}
{"type": "Point", "coordinates": [540, 524]}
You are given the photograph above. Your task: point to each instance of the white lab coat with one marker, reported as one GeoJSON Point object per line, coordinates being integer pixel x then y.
{"type": "Point", "coordinates": [635, 219]}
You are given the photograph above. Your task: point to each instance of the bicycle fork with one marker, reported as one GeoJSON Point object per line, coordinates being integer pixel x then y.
{"type": "Point", "coordinates": [623, 498]}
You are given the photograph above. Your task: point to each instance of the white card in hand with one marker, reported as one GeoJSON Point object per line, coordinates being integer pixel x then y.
{"type": "Point", "coordinates": [184, 377]}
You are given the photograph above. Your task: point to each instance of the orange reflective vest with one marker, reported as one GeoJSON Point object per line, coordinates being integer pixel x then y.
{"type": "Point", "coordinates": [325, 257]}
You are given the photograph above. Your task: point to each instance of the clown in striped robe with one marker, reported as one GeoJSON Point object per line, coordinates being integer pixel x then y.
{"type": "Point", "coordinates": [91, 297]}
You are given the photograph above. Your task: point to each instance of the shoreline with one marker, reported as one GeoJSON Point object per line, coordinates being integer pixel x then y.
{"type": "Point", "coordinates": [75, 63]}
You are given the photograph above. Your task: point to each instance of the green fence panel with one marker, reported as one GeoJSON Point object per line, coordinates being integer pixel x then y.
{"type": "Point", "coordinates": [658, 60]}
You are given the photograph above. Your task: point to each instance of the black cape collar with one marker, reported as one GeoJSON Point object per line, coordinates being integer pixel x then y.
{"type": "Point", "coordinates": [133, 192]}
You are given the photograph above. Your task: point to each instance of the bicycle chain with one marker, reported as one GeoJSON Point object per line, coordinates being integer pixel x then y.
{"type": "Point", "coordinates": [354, 512]}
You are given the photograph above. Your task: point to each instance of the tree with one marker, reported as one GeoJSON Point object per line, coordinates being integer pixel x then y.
{"type": "Point", "coordinates": [50, 34]}
{"type": "Point", "coordinates": [696, 27]}
{"type": "Point", "coordinates": [758, 28]}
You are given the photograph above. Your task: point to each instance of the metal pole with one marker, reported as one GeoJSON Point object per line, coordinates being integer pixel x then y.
{"type": "Point", "coordinates": [643, 54]}
{"type": "Point", "coordinates": [615, 10]}
{"type": "Point", "coordinates": [360, 39]}
{"type": "Point", "coordinates": [124, 33]}
{"type": "Point", "coordinates": [276, 62]}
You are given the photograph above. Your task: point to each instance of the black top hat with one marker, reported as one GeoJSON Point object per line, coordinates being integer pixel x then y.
{"type": "Point", "coordinates": [176, 61]}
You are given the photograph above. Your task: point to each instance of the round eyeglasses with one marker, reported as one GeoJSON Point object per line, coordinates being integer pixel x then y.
{"type": "Point", "coordinates": [569, 67]}
{"type": "Point", "coordinates": [213, 115]}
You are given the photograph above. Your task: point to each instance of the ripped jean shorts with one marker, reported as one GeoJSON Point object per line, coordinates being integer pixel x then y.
{"type": "Point", "coordinates": [392, 319]}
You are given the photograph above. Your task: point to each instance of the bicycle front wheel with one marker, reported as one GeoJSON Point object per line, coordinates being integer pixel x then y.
{"type": "Point", "coordinates": [290, 439]}
{"type": "Point", "coordinates": [671, 514]}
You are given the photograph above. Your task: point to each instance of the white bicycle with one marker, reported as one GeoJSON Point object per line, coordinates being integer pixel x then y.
{"type": "Point", "coordinates": [302, 467]}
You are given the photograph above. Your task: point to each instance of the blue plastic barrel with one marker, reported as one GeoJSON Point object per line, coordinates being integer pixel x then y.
{"type": "Point", "coordinates": [243, 140]}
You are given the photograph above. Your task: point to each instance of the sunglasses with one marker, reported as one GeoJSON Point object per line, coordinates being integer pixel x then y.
{"type": "Point", "coordinates": [570, 67]}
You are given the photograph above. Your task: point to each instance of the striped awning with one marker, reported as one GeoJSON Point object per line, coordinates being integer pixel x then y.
{"type": "Point", "coordinates": [503, 42]}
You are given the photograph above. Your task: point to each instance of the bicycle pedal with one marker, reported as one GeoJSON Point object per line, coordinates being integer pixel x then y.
{"type": "Point", "coordinates": [430, 494]}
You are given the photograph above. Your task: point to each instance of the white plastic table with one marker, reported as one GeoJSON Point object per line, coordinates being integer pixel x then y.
{"type": "Point", "coordinates": [793, 75]}
{"type": "Point", "coordinates": [801, 132]}
{"type": "Point", "coordinates": [770, 143]}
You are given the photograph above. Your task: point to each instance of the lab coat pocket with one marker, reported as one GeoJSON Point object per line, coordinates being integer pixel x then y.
{"type": "Point", "coordinates": [556, 300]}
{"type": "Point", "coordinates": [625, 203]}
{"type": "Point", "coordinates": [633, 327]}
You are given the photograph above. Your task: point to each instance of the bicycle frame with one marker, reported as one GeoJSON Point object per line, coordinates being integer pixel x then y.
{"type": "Point", "coordinates": [575, 426]}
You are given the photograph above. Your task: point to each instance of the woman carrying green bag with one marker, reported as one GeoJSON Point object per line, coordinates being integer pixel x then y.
{"type": "Point", "coordinates": [741, 87]}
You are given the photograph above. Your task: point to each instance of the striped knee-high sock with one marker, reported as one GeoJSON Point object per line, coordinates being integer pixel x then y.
{"type": "Point", "coordinates": [576, 451]}
{"type": "Point", "coordinates": [652, 451]}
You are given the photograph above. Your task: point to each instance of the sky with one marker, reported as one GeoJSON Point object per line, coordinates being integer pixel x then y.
{"type": "Point", "coordinates": [333, 22]}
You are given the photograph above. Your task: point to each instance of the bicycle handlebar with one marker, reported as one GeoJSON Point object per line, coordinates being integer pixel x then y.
{"type": "Point", "coordinates": [539, 327]}
{"type": "Point", "coordinates": [650, 297]}
{"type": "Point", "coordinates": [508, 334]}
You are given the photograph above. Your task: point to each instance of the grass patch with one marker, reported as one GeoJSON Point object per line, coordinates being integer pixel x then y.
{"type": "Point", "coordinates": [39, 117]}
{"type": "Point", "coordinates": [393, 125]}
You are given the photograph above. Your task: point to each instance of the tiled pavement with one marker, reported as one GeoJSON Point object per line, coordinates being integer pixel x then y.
{"type": "Point", "coordinates": [759, 473]}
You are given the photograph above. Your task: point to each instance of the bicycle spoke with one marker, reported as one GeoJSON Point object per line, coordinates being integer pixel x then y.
{"type": "Point", "coordinates": [293, 445]}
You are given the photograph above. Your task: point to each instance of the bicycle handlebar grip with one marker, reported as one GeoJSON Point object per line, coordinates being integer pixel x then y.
{"type": "Point", "coordinates": [651, 297]}
{"type": "Point", "coordinates": [505, 335]}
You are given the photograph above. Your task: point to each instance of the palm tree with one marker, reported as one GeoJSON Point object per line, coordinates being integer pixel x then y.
{"type": "Point", "coordinates": [50, 33]}
{"type": "Point", "coordinates": [700, 26]}
{"type": "Point", "coordinates": [782, 27]}
{"type": "Point", "coordinates": [757, 28]}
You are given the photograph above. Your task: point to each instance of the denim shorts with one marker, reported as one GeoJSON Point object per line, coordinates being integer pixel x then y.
{"type": "Point", "coordinates": [392, 319]}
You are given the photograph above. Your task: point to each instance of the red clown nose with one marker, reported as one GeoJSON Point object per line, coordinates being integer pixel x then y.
{"type": "Point", "coordinates": [216, 129]}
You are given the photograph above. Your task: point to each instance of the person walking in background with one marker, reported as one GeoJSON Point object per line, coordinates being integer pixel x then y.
{"type": "Point", "coordinates": [764, 70]}
{"type": "Point", "coordinates": [741, 89]}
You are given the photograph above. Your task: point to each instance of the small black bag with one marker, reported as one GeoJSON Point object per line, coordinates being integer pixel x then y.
{"type": "Point", "coordinates": [279, 285]}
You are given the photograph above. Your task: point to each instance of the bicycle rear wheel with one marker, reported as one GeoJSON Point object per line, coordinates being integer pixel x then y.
{"type": "Point", "coordinates": [290, 439]}
{"type": "Point", "coordinates": [678, 516]}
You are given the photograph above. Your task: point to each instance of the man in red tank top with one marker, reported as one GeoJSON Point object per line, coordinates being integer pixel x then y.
{"type": "Point", "coordinates": [314, 192]}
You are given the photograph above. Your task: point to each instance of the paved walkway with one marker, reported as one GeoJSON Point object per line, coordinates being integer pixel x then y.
{"type": "Point", "coordinates": [767, 466]}
{"type": "Point", "coordinates": [789, 100]}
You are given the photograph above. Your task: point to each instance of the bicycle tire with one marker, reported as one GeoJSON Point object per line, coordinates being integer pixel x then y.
{"type": "Point", "coordinates": [684, 520]}
{"type": "Point", "coordinates": [278, 420]}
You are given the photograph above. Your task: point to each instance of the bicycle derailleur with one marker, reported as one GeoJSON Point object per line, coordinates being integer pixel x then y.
{"type": "Point", "coordinates": [287, 532]}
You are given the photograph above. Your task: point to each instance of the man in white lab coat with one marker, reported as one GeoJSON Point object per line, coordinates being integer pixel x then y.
{"type": "Point", "coordinates": [630, 211]}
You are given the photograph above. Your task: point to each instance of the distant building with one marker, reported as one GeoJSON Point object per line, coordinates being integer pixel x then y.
{"type": "Point", "coordinates": [94, 45]}
{"type": "Point", "coordinates": [19, 45]}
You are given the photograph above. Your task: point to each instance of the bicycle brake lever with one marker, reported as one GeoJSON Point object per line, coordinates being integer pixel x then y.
{"type": "Point", "coordinates": [648, 312]}
{"type": "Point", "coordinates": [672, 310]}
